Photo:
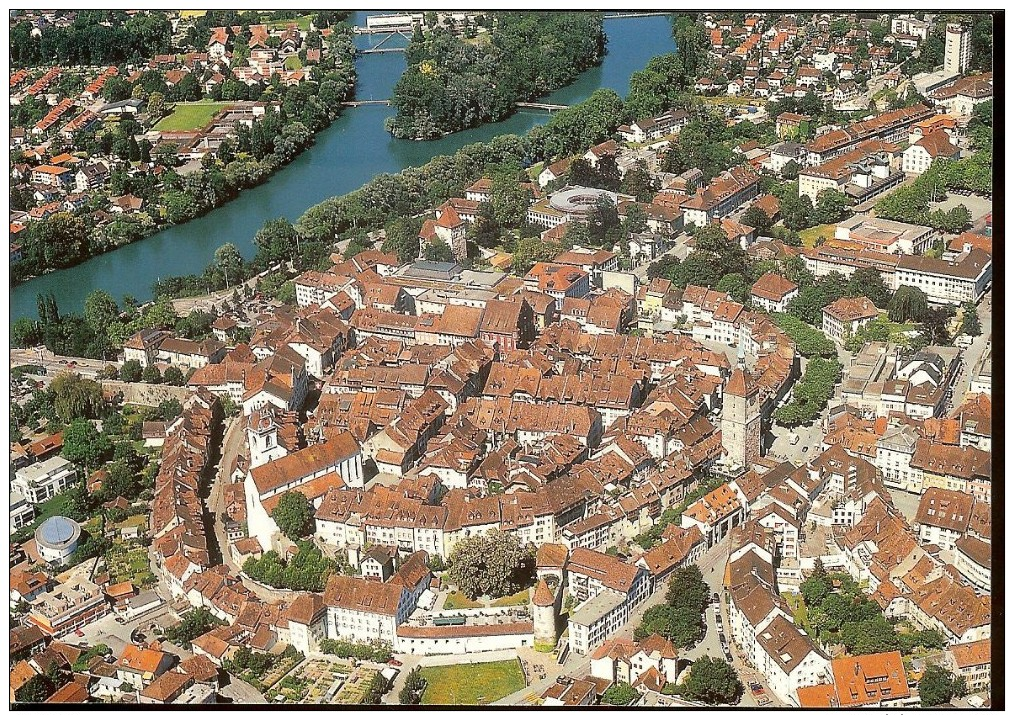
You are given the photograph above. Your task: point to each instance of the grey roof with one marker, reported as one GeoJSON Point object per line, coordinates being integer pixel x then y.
{"type": "Point", "coordinates": [597, 608]}
{"type": "Point", "coordinates": [57, 532]}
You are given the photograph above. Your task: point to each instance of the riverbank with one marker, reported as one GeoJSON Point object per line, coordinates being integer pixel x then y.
{"type": "Point", "coordinates": [246, 159]}
{"type": "Point", "coordinates": [347, 155]}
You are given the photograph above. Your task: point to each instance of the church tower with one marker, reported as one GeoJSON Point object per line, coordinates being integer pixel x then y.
{"type": "Point", "coordinates": [741, 423]}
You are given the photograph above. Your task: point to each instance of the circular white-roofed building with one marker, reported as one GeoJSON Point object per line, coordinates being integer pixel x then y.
{"type": "Point", "coordinates": [57, 538]}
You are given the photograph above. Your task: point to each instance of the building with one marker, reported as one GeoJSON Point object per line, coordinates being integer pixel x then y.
{"type": "Point", "coordinates": [140, 666]}
{"type": "Point", "coordinates": [845, 316]}
{"type": "Point", "coordinates": [943, 516]}
{"type": "Point", "coordinates": [655, 128]}
{"type": "Point", "coordinates": [918, 157]}
{"type": "Point", "coordinates": [22, 513]}
{"type": "Point", "coordinates": [878, 680]}
{"type": "Point", "coordinates": [741, 428]}
{"type": "Point", "coordinates": [723, 195]}
{"type": "Point", "coordinates": [957, 49]}
{"type": "Point", "coordinates": [961, 96]}
{"type": "Point", "coordinates": [338, 462]}
{"type": "Point", "coordinates": [607, 589]}
{"type": "Point", "coordinates": [972, 662]}
{"type": "Point", "coordinates": [43, 480]}
{"type": "Point", "coordinates": [74, 602]}
{"type": "Point", "coordinates": [963, 279]}
{"type": "Point", "coordinates": [558, 281]}
{"type": "Point", "coordinates": [56, 539]}
{"type": "Point", "coordinates": [883, 236]}
{"type": "Point", "coordinates": [973, 560]}
{"type": "Point", "coordinates": [653, 661]}
{"type": "Point", "coordinates": [773, 293]}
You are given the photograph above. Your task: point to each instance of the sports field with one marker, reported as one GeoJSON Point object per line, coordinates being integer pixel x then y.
{"type": "Point", "coordinates": [465, 684]}
{"type": "Point", "coordinates": [190, 115]}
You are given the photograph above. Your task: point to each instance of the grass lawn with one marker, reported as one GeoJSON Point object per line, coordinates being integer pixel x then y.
{"type": "Point", "coordinates": [457, 599]}
{"type": "Point", "coordinates": [292, 63]}
{"type": "Point", "coordinates": [809, 236]}
{"type": "Point", "coordinates": [464, 684]}
{"type": "Point", "coordinates": [192, 115]}
{"type": "Point", "coordinates": [302, 22]}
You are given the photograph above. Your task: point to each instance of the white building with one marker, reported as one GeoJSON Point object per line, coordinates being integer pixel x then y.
{"type": "Point", "coordinates": [957, 49]}
{"type": "Point", "coordinates": [43, 480]}
{"type": "Point", "coordinates": [336, 463]}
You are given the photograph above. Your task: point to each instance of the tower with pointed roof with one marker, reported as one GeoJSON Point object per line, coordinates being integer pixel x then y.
{"type": "Point", "coordinates": [741, 423]}
{"type": "Point", "coordinates": [544, 609]}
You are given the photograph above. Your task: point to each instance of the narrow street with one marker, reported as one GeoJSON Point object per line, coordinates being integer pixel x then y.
{"type": "Point", "coordinates": [233, 443]}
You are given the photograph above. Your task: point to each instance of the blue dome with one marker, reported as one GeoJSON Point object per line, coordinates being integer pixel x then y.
{"type": "Point", "coordinates": [58, 532]}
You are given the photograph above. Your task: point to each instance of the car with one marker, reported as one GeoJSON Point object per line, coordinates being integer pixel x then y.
{"type": "Point", "coordinates": [79, 633]}
{"type": "Point", "coordinates": [395, 662]}
{"type": "Point", "coordinates": [805, 449]}
{"type": "Point", "coordinates": [714, 597]}
{"type": "Point", "coordinates": [755, 687]}
{"type": "Point", "coordinates": [63, 362]}
{"type": "Point", "coordinates": [728, 656]}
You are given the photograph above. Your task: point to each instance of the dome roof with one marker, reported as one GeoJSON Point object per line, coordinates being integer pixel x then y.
{"type": "Point", "coordinates": [57, 532]}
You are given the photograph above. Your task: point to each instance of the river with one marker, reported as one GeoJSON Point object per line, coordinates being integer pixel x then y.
{"type": "Point", "coordinates": [345, 156]}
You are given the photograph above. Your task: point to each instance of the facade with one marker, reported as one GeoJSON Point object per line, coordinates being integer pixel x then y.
{"type": "Point", "coordinates": [773, 293]}
{"type": "Point", "coordinates": [42, 480]}
{"type": "Point", "coordinates": [845, 316]}
{"type": "Point", "coordinates": [741, 424]}
{"type": "Point", "coordinates": [957, 49]}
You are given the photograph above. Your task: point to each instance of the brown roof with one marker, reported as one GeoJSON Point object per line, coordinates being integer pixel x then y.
{"type": "Point", "coordinates": [144, 660]}
{"type": "Point", "coordinates": [977, 550]}
{"type": "Point", "coordinates": [543, 595]}
{"type": "Point", "coordinates": [945, 509]}
{"type": "Point", "coordinates": [938, 144]}
{"type": "Point", "coordinates": [551, 556]}
{"type": "Point", "coordinates": [167, 686]}
{"type": "Point", "coordinates": [200, 668]}
{"type": "Point", "coordinates": [611, 571]}
{"type": "Point", "coordinates": [305, 608]}
{"type": "Point", "coordinates": [869, 679]}
{"type": "Point", "coordinates": [72, 692]}
{"type": "Point", "coordinates": [357, 594]}
{"type": "Point", "coordinates": [849, 309]}
{"type": "Point", "coordinates": [969, 655]}
{"type": "Point", "coordinates": [772, 286]}
{"type": "Point", "coordinates": [287, 469]}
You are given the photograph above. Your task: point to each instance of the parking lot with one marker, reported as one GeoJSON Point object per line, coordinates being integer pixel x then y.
{"type": "Point", "coordinates": [978, 206]}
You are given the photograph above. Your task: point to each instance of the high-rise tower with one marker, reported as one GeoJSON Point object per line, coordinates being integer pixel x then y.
{"type": "Point", "coordinates": [957, 49]}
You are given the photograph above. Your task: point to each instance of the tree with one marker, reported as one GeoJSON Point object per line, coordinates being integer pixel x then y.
{"type": "Point", "coordinates": [797, 211]}
{"type": "Point", "coordinates": [687, 589]}
{"type": "Point", "coordinates": [84, 445]}
{"type": "Point", "coordinates": [229, 261]}
{"type": "Point", "coordinates": [151, 375]}
{"type": "Point", "coordinates": [74, 396]}
{"type": "Point", "coordinates": [438, 251]}
{"type": "Point", "coordinates": [907, 303]}
{"type": "Point", "coordinates": [934, 326]}
{"type": "Point", "coordinates": [621, 694]}
{"type": "Point", "coordinates": [970, 324]}
{"type": "Point", "coordinates": [868, 282]}
{"type": "Point", "coordinates": [411, 691]}
{"type": "Point", "coordinates": [294, 515]}
{"type": "Point", "coordinates": [791, 170]}
{"type": "Point", "coordinates": [832, 206]}
{"type": "Point", "coordinates": [25, 333]}
{"type": "Point", "coordinates": [277, 240]}
{"type": "Point", "coordinates": [938, 686]}
{"type": "Point", "coordinates": [735, 285]}
{"type": "Point", "coordinates": [195, 623]}
{"type": "Point", "coordinates": [758, 218]}
{"type": "Point", "coordinates": [712, 681]}
{"type": "Point", "coordinates": [174, 376]}
{"type": "Point", "coordinates": [131, 371]}
{"type": "Point", "coordinates": [36, 690]}
{"type": "Point", "coordinates": [100, 311]}
{"type": "Point", "coordinates": [493, 564]}
{"type": "Point", "coordinates": [681, 625]}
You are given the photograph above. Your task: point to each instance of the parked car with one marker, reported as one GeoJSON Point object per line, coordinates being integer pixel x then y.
{"type": "Point", "coordinates": [395, 662]}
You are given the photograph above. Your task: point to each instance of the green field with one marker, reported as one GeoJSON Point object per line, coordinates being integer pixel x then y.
{"type": "Point", "coordinates": [302, 22]}
{"type": "Point", "coordinates": [465, 684]}
{"type": "Point", "coordinates": [809, 236]}
{"type": "Point", "coordinates": [292, 63]}
{"type": "Point", "coordinates": [456, 599]}
{"type": "Point", "coordinates": [193, 115]}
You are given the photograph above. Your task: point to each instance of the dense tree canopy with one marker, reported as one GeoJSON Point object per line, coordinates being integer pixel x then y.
{"type": "Point", "coordinates": [494, 564]}
{"type": "Point", "coordinates": [294, 515]}
{"type": "Point", "coordinates": [452, 84]}
{"type": "Point", "coordinates": [712, 681]}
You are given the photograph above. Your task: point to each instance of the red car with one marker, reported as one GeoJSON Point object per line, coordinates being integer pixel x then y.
{"type": "Point", "coordinates": [396, 663]}
{"type": "Point", "coordinates": [79, 633]}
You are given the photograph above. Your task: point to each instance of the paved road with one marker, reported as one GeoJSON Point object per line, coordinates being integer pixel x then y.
{"type": "Point", "coordinates": [55, 364]}
{"type": "Point", "coordinates": [233, 443]}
